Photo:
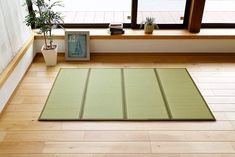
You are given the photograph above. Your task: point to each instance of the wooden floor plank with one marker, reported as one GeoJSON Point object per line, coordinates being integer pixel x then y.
{"type": "Point", "coordinates": [217, 136]}
{"type": "Point", "coordinates": [110, 126]}
{"type": "Point", "coordinates": [97, 147]}
{"type": "Point", "coordinates": [233, 124]}
{"type": "Point", "coordinates": [21, 147]}
{"type": "Point", "coordinates": [117, 155]}
{"type": "Point", "coordinates": [125, 136]}
{"type": "Point", "coordinates": [25, 107]}
{"type": "Point", "coordinates": [41, 92]}
{"type": "Point", "coordinates": [233, 144]}
{"type": "Point", "coordinates": [27, 155]}
{"type": "Point", "coordinates": [195, 136]}
{"type": "Point", "coordinates": [223, 107]}
{"type": "Point", "coordinates": [46, 155]}
{"type": "Point", "coordinates": [28, 100]}
{"type": "Point", "coordinates": [12, 116]}
{"type": "Point", "coordinates": [219, 125]}
{"type": "Point", "coordinates": [224, 92]}
{"type": "Point", "coordinates": [29, 125]}
{"type": "Point", "coordinates": [76, 136]}
{"type": "Point", "coordinates": [219, 100]}
{"type": "Point", "coordinates": [207, 155]}
{"type": "Point", "coordinates": [217, 86]}
{"type": "Point", "coordinates": [44, 136]}
{"type": "Point", "coordinates": [38, 80]}
{"type": "Point", "coordinates": [192, 147]}
{"type": "Point", "coordinates": [2, 135]}
{"type": "Point", "coordinates": [35, 86]}
{"type": "Point", "coordinates": [136, 155]}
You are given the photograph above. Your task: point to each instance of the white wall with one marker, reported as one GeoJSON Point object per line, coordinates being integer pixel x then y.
{"type": "Point", "coordinates": [13, 36]}
{"type": "Point", "coordinates": [155, 46]}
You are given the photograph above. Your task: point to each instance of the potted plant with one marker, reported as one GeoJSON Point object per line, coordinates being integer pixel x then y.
{"type": "Point", "coordinates": [149, 25]}
{"type": "Point", "coordinates": [44, 18]}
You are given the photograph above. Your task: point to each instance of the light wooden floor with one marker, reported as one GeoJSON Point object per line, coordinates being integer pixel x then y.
{"type": "Point", "coordinates": [21, 135]}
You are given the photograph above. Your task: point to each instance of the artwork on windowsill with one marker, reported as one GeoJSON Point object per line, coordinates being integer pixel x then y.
{"type": "Point", "coordinates": [77, 45]}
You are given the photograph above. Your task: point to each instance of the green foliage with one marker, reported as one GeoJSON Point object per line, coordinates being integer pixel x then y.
{"type": "Point", "coordinates": [149, 20]}
{"type": "Point", "coordinates": [44, 18]}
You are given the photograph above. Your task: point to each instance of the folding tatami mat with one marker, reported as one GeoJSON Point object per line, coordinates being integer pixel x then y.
{"type": "Point", "coordinates": [125, 94]}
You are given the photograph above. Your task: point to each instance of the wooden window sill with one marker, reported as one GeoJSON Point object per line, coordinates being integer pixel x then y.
{"type": "Point", "coordinates": [102, 34]}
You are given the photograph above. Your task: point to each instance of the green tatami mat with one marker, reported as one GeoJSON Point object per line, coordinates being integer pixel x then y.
{"type": "Point", "coordinates": [143, 96]}
{"type": "Point", "coordinates": [65, 99]}
{"type": "Point", "coordinates": [104, 95]}
{"type": "Point", "coordinates": [125, 94]}
{"type": "Point", "coordinates": [182, 96]}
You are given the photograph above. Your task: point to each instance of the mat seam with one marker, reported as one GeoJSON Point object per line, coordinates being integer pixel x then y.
{"type": "Point", "coordinates": [123, 95]}
{"type": "Point", "coordinates": [163, 94]}
{"type": "Point", "coordinates": [84, 95]}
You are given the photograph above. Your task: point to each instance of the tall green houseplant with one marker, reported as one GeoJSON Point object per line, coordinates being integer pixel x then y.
{"type": "Point", "coordinates": [44, 18]}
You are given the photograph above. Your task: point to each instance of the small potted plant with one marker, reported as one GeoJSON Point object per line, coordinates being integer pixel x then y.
{"type": "Point", "coordinates": [44, 18]}
{"type": "Point", "coordinates": [149, 25]}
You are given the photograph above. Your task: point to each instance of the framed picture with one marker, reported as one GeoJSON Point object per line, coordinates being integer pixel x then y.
{"type": "Point", "coordinates": [77, 45]}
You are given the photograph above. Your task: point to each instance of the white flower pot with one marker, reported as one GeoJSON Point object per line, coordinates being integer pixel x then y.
{"type": "Point", "coordinates": [50, 56]}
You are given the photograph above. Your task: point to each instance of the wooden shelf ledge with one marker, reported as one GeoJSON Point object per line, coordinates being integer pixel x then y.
{"type": "Point", "coordinates": [102, 34]}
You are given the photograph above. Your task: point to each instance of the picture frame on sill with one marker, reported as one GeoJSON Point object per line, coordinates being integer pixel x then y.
{"type": "Point", "coordinates": [77, 45]}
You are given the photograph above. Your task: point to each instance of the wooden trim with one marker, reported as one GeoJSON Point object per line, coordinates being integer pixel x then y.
{"type": "Point", "coordinates": [57, 37]}
{"type": "Point", "coordinates": [134, 12]}
{"type": "Point", "coordinates": [149, 37]}
{"type": "Point", "coordinates": [10, 68]}
{"type": "Point", "coordinates": [130, 34]}
{"type": "Point", "coordinates": [196, 14]}
{"type": "Point", "coordinates": [187, 13]}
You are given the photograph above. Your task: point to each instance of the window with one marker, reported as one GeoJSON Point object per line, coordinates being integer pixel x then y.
{"type": "Point", "coordinates": [164, 11]}
{"type": "Point", "coordinates": [96, 11]}
{"type": "Point", "coordinates": [219, 13]}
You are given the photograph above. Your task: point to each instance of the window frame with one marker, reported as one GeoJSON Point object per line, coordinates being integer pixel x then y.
{"type": "Point", "coordinates": [218, 25]}
{"type": "Point", "coordinates": [133, 24]}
